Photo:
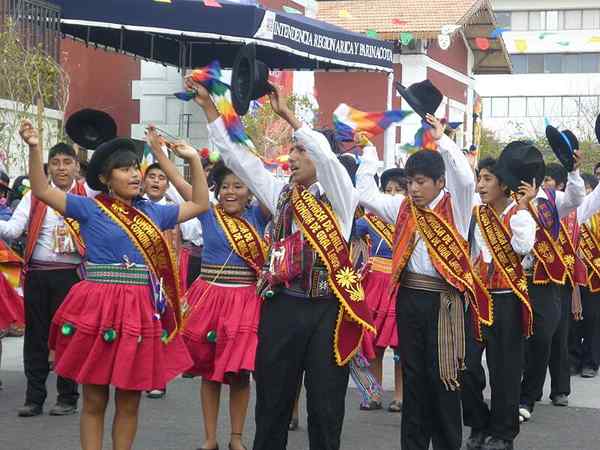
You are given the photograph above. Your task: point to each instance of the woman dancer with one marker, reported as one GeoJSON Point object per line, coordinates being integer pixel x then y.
{"type": "Point", "coordinates": [221, 323]}
{"type": "Point", "coordinates": [119, 326]}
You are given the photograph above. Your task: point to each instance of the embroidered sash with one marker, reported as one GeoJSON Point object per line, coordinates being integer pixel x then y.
{"type": "Point", "coordinates": [150, 242]}
{"type": "Point", "coordinates": [384, 230]}
{"type": "Point", "coordinates": [319, 226]}
{"type": "Point", "coordinates": [549, 264]}
{"type": "Point", "coordinates": [506, 260]}
{"type": "Point", "coordinates": [590, 251]}
{"type": "Point", "coordinates": [243, 238]}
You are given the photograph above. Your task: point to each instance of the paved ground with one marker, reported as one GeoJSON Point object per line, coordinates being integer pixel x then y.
{"type": "Point", "coordinates": [175, 422]}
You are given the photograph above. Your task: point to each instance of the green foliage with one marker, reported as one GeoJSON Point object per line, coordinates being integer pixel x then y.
{"type": "Point", "coordinates": [271, 134]}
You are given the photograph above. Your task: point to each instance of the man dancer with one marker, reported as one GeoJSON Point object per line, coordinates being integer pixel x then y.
{"type": "Point", "coordinates": [52, 257]}
{"type": "Point", "coordinates": [301, 313]}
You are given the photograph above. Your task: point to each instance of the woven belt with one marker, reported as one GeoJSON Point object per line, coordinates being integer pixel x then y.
{"type": "Point", "coordinates": [213, 273]}
{"type": "Point", "coordinates": [117, 274]}
{"type": "Point", "coordinates": [379, 264]}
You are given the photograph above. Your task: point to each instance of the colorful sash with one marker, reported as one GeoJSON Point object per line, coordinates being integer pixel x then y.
{"type": "Point", "coordinates": [320, 228]}
{"type": "Point", "coordinates": [243, 238]}
{"type": "Point", "coordinates": [150, 242]}
{"type": "Point", "coordinates": [384, 230]}
{"type": "Point", "coordinates": [506, 260]}
{"type": "Point", "coordinates": [448, 253]}
{"type": "Point", "coordinates": [549, 264]}
{"type": "Point", "coordinates": [590, 251]}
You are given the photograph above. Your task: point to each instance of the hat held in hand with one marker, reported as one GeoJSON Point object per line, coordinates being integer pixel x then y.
{"type": "Point", "coordinates": [89, 128]}
{"type": "Point", "coordinates": [423, 97]}
{"type": "Point", "coordinates": [563, 144]}
{"type": "Point", "coordinates": [249, 79]}
{"type": "Point", "coordinates": [520, 161]}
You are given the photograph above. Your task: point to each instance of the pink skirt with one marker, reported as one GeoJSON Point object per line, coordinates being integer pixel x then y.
{"type": "Point", "coordinates": [221, 332]}
{"type": "Point", "coordinates": [11, 305]}
{"type": "Point", "coordinates": [383, 307]}
{"type": "Point", "coordinates": [137, 359]}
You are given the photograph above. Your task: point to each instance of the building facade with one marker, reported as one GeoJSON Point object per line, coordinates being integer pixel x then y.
{"type": "Point", "coordinates": [555, 51]}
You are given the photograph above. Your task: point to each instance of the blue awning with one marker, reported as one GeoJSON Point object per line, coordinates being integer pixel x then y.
{"type": "Point", "coordinates": [186, 33]}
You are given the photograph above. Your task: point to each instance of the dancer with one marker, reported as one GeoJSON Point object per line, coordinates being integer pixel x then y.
{"type": "Point", "coordinates": [221, 323]}
{"type": "Point", "coordinates": [119, 326]}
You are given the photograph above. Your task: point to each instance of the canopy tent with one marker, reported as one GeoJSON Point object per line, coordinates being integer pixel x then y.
{"type": "Point", "coordinates": [187, 34]}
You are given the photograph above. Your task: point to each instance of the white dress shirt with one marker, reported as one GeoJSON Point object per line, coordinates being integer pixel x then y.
{"type": "Point", "coordinates": [566, 201]}
{"type": "Point", "coordinates": [44, 249]}
{"type": "Point", "coordinates": [191, 230]}
{"type": "Point", "coordinates": [333, 179]}
{"type": "Point", "coordinates": [460, 183]}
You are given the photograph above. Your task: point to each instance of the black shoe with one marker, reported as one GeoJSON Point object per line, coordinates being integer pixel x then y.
{"type": "Point", "coordinates": [30, 410]}
{"type": "Point", "coordinates": [589, 372]}
{"type": "Point", "coordinates": [574, 370]}
{"type": "Point", "coordinates": [476, 440]}
{"type": "Point", "coordinates": [560, 400]}
{"type": "Point", "coordinates": [63, 409]}
{"type": "Point", "coordinates": [497, 444]}
{"type": "Point", "coordinates": [371, 406]}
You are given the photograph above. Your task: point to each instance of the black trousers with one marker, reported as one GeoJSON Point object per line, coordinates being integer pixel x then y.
{"type": "Point", "coordinates": [430, 412]}
{"type": "Point", "coordinates": [547, 311]}
{"type": "Point", "coordinates": [504, 346]}
{"type": "Point", "coordinates": [576, 340]}
{"type": "Point", "coordinates": [295, 336]}
{"type": "Point", "coordinates": [559, 365]}
{"type": "Point", "coordinates": [591, 329]}
{"type": "Point", "coordinates": [43, 292]}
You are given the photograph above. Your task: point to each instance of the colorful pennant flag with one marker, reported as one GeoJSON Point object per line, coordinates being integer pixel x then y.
{"type": "Point", "coordinates": [348, 122]}
{"type": "Point", "coordinates": [162, 1]}
{"type": "Point", "coordinates": [290, 10]}
{"type": "Point", "coordinates": [372, 34]}
{"type": "Point", "coordinates": [594, 40]}
{"type": "Point", "coordinates": [212, 4]}
{"type": "Point", "coordinates": [406, 37]}
{"type": "Point", "coordinates": [482, 43]}
{"type": "Point", "coordinates": [399, 22]}
{"type": "Point", "coordinates": [344, 14]}
{"type": "Point", "coordinates": [521, 45]}
{"type": "Point", "coordinates": [210, 77]}
{"type": "Point", "coordinates": [423, 138]}
{"type": "Point", "coordinates": [497, 32]}
{"type": "Point", "coordinates": [147, 158]}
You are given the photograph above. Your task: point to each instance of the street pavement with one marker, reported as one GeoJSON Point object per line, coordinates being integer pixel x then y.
{"type": "Point", "coordinates": [175, 421]}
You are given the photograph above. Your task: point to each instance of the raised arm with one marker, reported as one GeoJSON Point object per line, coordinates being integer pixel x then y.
{"type": "Point", "coordinates": [589, 206]}
{"type": "Point", "coordinates": [574, 192]}
{"type": "Point", "coordinates": [51, 196]}
{"type": "Point", "coordinates": [383, 205]}
{"type": "Point", "coordinates": [248, 167]}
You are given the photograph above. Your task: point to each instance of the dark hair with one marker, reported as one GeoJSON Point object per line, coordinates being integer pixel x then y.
{"type": "Point", "coordinates": [596, 167]}
{"type": "Point", "coordinates": [590, 179]}
{"type": "Point", "coordinates": [46, 169]}
{"type": "Point", "coordinates": [490, 164]}
{"type": "Point", "coordinates": [62, 149]}
{"type": "Point", "coordinates": [218, 174]}
{"type": "Point", "coordinates": [83, 168]}
{"type": "Point", "coordinates": [394, 174]}
{"type": "Point", "coordinates": [350, 164]}
{"type": "Point", "coordinates": [152, 167]}
{"type": "Point", "coordinates": [330, 135]}
{"type": "Point", "coordinates": [428, 163]}
{"type": "Point", "coordinates": [17, 189]}
{"type": "Point", "coordinates": [557, 172]}
{"type": "Point", "coordinates": [118, 160]}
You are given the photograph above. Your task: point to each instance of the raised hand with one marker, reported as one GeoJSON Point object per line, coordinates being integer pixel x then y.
{"type": "Point", "coordinates": [578, 159]}
{"type": "Point", "coordinates": [202, 94]}
{"type": "Point", "coordinates": [527, 193]}
{"type": "Point", "coordinates": [29, 134]}
{"type": "Point", "coordinates": [184, 150]}
{"type": "Point", "coordinates": [437, 128]}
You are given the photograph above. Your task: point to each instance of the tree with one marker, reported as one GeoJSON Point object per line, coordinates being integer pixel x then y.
{"type": "Point", "coordinates": [271, 134]}
{"type": "Point", "coordinates": [30, 80]}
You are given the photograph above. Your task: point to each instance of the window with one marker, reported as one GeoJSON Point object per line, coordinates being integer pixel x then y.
{"type": "Point", "coordinates": [588, 105]}
{"type": "Point", "coordinates": [570, 64]}
{"type": "Point", "coordinates": [519, 63]}
{"type": "Point", "coordinates": [570, 107]}
{"type": "Point", "coordinates": [537, 20]}
{"type": "Point", "coordinates": [517, 107]}
{"type": "Point", "coordinates": [552, 63]}
{"type": "Point", "coordinates": [552, 106]}
{"type": "Point", "coordinates": [518, 21]}
{"type": "Point", "coordinates": [552, 20]}
{"type": "Point", "coordinates": [589, 63]}
{"type": "Point", "coordinates": [499, 107]}
{"type": "Point", "coordinates": [535, 63]}
{"type": "Point", "coordinates": [591, 19]}
{"type": "Point", "coordinates": [535, 106]}
{"type": "Point", "coordinates": [503, 19]}
{"type": "Point", "coordinates": [486, 106]}
{"type": "Point", "coordinates": [573, 20]}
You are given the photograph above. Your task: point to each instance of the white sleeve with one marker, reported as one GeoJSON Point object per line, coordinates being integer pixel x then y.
{"type": "Point", "coordinates": [460, 182]}
{"type": "Point", "coordinates": [383, 205]}
{"type": "Point", "coordinates": [332, 176]}
{"type": "Point", "coordinates": [523, 228]}
{"type": "Point", "coordinates": [247, 166]}
{"type": "Point", "coordinates": [573, 196]}
{"type": "Point", "coordinates": [589, 206]}
{"type": "Point", "coordinates": [174, 195]}
{"type": "Point", "coordinates": [89, 192]}
{"type": "Point", "coordinates": [15, 226]}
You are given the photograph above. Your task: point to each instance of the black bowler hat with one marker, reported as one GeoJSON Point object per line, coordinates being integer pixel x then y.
{"type": "Point", "coordinates": [598, 128]}
{"type": "Point", "coordinates": [520, 161]}
{"type": "Point", "coordinates": [4, 181]}
{"type": "Point", "coordinates": [249, 79]}
{"type": "Point", "coordinates": [563, 145]}
{"type": "Point", "coordinates": [89, 128]}
{"type": "Point", "coordinates": [423, 97]}
{"type": "Point", "coordinates": [102, 153]}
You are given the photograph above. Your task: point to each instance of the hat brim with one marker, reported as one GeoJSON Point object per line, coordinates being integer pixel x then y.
{"type": "Point", "coordinates": [240, 95]}
{"type": "Point", "coordinates": [102, 153]}
{"type": "Point", "coordinates": [598, 128]}
{"type": "Point", "coordinates": [513, 177]}
{"type": "Point", "coordinates": [412, 101]}
{"type": "Point", "coordinates": [560, 147]}
{"type": "Point", "coordinates": [89, 128]}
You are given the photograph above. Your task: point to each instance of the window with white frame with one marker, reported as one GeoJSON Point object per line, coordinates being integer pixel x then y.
{"type": "Point", "coordinates": [543, 106]}
{"type": "Point", "coordinates": [550, 20]}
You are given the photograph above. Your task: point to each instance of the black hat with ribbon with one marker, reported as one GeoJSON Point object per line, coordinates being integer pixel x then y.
{"type": "Point", "coordinates": [90, 127]}
{"type": "Point", "coordinates": [249, 79]}
{"type": "Point", "coordinates": [520, 161]}
{"type": "Point", "coordinates": [563, 145]}
{"type": "Point", "coordinates": [102, 153]}
{"type": "Point", "coordinates": [423, 97]}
